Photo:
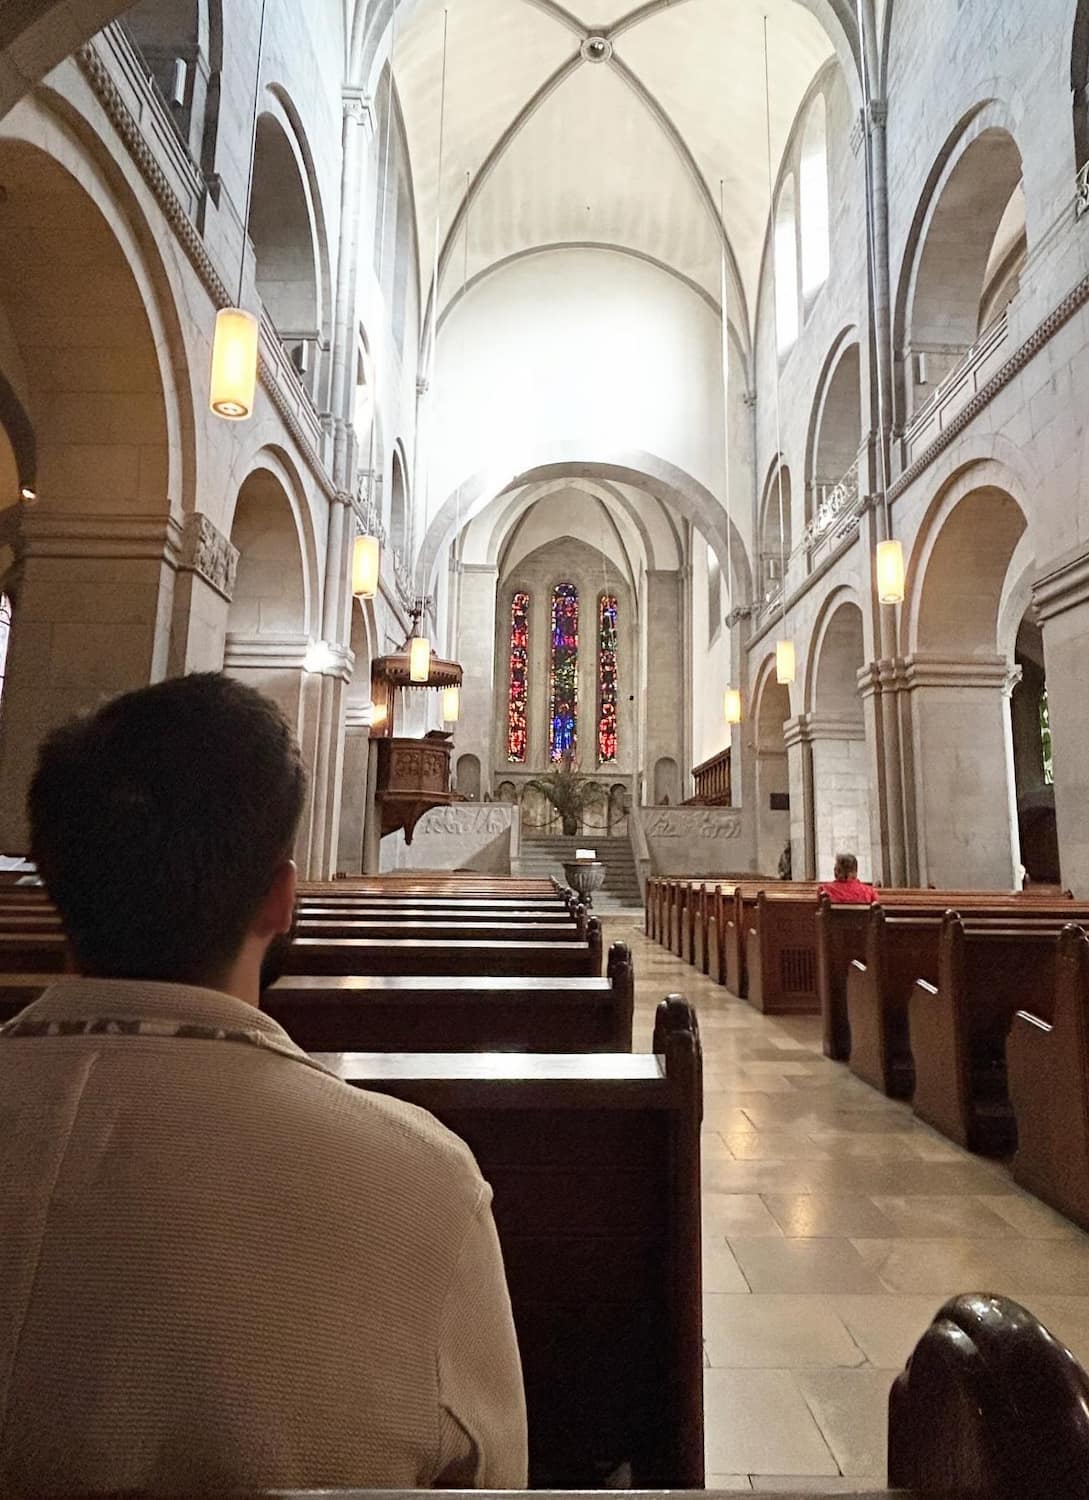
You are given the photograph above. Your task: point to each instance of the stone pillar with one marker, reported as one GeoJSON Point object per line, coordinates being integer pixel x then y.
{"type": "Point", "coordinates": [890, 760]}
{"type": "Point", "coordinates": [483, 696]}
{"type": "Point", "coordinates": [353, 792]}
{"type": "Point", "coordinates": [665, 685]}
{"type": "Point", "coordinates": [963, 771]}
{"type": "Point", "coordinates": [1061, 597]}
{"type": "Point", "coordinates": [95, 601]}
{"type": "Point", "coordinates": [799, 756]}
{"type": "Point", "coordinates": [835, 779]}
{"type": "Point", "coordinates": [202, 598]}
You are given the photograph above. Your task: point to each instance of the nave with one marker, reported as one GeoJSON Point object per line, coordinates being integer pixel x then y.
{"type": "Point", "coordinates": [835, 1224]}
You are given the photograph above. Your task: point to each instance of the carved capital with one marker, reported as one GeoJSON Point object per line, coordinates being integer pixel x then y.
{"type": "Point", "coordinates": [208, 553]}
{"type": "Point", "coordinates": [359, 109]}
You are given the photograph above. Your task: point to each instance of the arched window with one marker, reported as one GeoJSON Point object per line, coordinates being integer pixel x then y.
{"type": "Point", "coordinates": [786, 269]}
{"type": "Point", "coordinates": [5, 636]}
{"type": "Point", "coordinates": [813, 199]}
{"type": "Point", "coordinates": [606, 679]}
{"type": "Point", "coordinates": [517, 735]}
{"type": "Point", "coordinates": [563, 675]}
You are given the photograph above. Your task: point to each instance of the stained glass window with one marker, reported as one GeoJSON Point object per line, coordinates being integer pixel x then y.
{"type": "Point", "coordinates": [563, 676]}
{"type": "Point", "coordinates": [606, 679]}
{"type": "Point", "coordinates": [519, 675]}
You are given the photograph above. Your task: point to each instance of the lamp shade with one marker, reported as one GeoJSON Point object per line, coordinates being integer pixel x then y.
{"type": "Point", "coordinates": [784, 661]}
{"type": "Point", "coordinates": [234, 364]}
{"type": "Point", "coordinates": [890, 572]}
{"type": "Point", "coordinates": [366, 558]}
{"type": "Point", "coordinates": [732, 706]}
{"type": "Point", "coordinates": [451, 705]}
{"type": "Point", "coordinates": [419, 658]}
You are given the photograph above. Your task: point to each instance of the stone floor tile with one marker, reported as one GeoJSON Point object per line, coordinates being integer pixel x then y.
{"type": "Point", "coordinates": [945, 1267]}
{"type": "Point", "coordinates": [763, 1176]}
{"type": "Point", "coordinates": [721, 1272]}
{"type": "Point", "coordinates": [762, 1332]}
{"type": "Point", "coordinates": [815, 1484]}
{"type": "Point", "coordinates": [758, 1422]}
{"type": "Point", "coordinates": [742, 1214]}
{"type": "Point", "coordinates": [774, 1145]}
{"type": "Point", "coordinates": [728, 1482]}
{"type": "Point", "coordinates": [804, 1265]}
{"type": "Point", "coordinates": [851, 1408]}
{"type": "Point", "coordinates": [826, 1215]}
{"type": "Point", "coordinates": [931, 1216]}
{"type": "Point", "coordinates": [886, 1328]}
{"type": "Point", "coordinates": [1031, 1217]}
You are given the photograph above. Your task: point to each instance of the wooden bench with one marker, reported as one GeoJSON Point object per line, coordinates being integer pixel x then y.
{"type": "Point", "coordinates": [375, 1013]}
{"type": "Point", "coordinates": [958, 1026]}
{"type": "Point", "coordinates": [30, 951]}
{"type": "Point", "coordinates": [594, 1162]}
{"type": "Point", "coordinates": [442, 928]}
{"type": "Point", "coordinates": [1047, 1067]}
{"type": "Point", "coordinates": [312, 955]}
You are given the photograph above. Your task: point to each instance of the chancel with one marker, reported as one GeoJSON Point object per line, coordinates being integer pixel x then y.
{"type": "Point", "coordinates": [628, 459]}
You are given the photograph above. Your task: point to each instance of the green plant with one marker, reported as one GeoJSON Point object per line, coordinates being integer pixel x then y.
{"type": "Point", "coordinates": [568, 791]}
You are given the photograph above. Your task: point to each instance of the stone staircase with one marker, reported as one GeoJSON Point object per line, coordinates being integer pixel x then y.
{"type": "Point", "coordinates": [543, 854]}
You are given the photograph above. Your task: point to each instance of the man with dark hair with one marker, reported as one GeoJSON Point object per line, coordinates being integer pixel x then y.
{"type": "Point", "coordinates": [219, 1266]}
{"type": "Point", "coordinates": [846, 889]}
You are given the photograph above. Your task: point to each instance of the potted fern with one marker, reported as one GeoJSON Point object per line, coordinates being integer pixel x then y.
{"type": "Point", "coordinates": [568, 791]}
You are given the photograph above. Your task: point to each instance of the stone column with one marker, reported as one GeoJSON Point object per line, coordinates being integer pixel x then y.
{"type": "Point", "coordinates": [665, 685]}
{"type": "Point", "coordinates": [95, 599]}
{"type": "Point", "coordinates": [202, 598]}
{"type": "Point", "coordinates": [799, 755]}
{"type": "Point", "coordinates": [353, 792]}
{"type": "Point", "coordinates": [836, 785]}
{"type": "Point", "coordinates": [483, 695]}
{"type": "Point", "coordinates": [1061, 597]}
{"type": "Point", "coordinates": [963, 770]}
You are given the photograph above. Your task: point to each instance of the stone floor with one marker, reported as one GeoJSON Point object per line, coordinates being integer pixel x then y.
{"type": "Point", "coordinates": [834, 1226]}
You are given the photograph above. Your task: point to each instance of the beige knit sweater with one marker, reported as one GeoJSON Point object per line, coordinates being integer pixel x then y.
{"type": "Point", "coordinates": [221, 1267]}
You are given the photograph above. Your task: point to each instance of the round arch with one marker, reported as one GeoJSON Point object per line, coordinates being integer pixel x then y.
{"type": "Point", "coordinates": [835, 423]}
{"type": "Point", "coordinates": [279, 465]}
{"type": "Point", "coordinates": [771, 709]}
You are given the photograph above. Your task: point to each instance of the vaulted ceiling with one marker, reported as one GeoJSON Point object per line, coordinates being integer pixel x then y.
{"type": "Point", "coordinates": [550, 140]}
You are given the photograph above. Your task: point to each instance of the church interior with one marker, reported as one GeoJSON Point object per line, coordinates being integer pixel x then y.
{"type": "Point", "coordinates": [635, 444]}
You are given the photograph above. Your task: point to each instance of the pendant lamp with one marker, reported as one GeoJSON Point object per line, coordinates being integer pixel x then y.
{"type": "Point", "coordinates": [784, 661]}
{"type": "Point", "coordinates": [732, 706]}
{"type": "Point", "coordinates": [233, 380]}
{"type": "Point", "coordinates": [890, 572]}
{"type": "Point", "coordinates": [366, 558]}
{"type": "Point", "coordinates": [451, 705]}
{"type": "Point", "coordinates": [419, 658]}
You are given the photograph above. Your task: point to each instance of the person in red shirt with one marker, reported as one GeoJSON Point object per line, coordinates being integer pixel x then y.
{"type": "Point", "coordinates": [846, 889]}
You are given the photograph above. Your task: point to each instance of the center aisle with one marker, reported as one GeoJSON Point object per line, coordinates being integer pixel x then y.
{"type": "Point", "coordinates": [834, 1226]}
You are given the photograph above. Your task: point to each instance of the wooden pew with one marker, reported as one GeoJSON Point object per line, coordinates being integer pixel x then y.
{"type": "Point", "coordinates": [40, 952]}
{"type": "Point", "coordinates": [780, 954]}
{"type": "Point", "coordinates": [1047, 1065]}
{"type": "Point", "coordinates": [990, 1404]}
{"type": "Point", "coordinates": [442, 928]}
{"type": "Point", "coordinates": [431, 956]}
{"type": "Point", "coordinates": [373, 1013]}
{"type": "Point", "coordinates": [958, 1027]}
{"type": "Point", "coordinates": [594, 1162]}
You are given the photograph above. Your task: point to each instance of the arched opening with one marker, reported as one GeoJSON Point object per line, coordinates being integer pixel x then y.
{"type": "Point", "coordinates": [813, 199]}
{"type": "Point", "coordinates": [786, 269]}
{"type": "Point", "coordinates": [966, 806]}
{"type": "Point", "coordinates": [837, 439]}
{"type": "Point", "coordinates": [618, 810]}
{"type": "Point", "coordinates": [180, 41]}
{"type": "Point", "coordinates": [667, 782]}
{"type": "Point", "coordinates": [772, 777]}
{"type": "Point", "coordinates": [841, 779]}
{"type": "Point", "coordinates": [398, 505]}
{"type": "Point", "coordinates": [467, 777]}
{"type": "Point", "coordinates": [970, 258]}
{"type": "Point", "coordinates": [1032, 760]}
{"type": "Point", "coordinates": [284, 243]}
{"type": "Point", "coordinates": [80, 348]}
{"type": "Point", "coordinates": [775, 532]}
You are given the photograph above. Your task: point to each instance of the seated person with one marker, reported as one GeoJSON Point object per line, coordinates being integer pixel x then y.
{"type": "Point", "coordinates": [846, 889]}
{"type": "Point", "coordinates": [220, 1267]}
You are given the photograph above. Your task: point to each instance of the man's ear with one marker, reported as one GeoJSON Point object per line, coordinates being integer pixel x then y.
{"type": "Point", "coordinates": [277, 911]}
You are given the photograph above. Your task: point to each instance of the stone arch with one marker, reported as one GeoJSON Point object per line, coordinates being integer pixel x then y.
{"type": "Point", "coordinates": [399, 517]}
{"type": "Point", "coordinates": [771, 710]}
{"type": "Point", "coordinates": [280, 466]}
{"type": "Point", "coordinates": [943, 285]}
{"type": "Point", "coordinates": [775, 529]}
{"type": "Point", "coordinates": [618, 808]}
{"type": "Point", "coordinates": [667, 782]}
{"type": "Point", "coordinates": [840, 816]}
{"type": "Point", "coordinates": [270, 588]}
{"type": "Point", "coordinates": [673, 487]}
{"type": "Point", "coordinates": [82, 298]}
{"type": "Point", "coordinates": [467, 777]}
{"type": "Point", "coordinates": [835, 428]}
{"type": "Point", "coordinates": [291, 256]}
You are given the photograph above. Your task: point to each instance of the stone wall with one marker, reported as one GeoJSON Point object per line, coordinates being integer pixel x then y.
{"type": "Point", "coordinates": [463, 836]}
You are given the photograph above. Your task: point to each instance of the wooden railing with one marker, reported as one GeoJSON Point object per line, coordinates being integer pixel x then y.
{"type": "Point", "coordinates": [713, 785]}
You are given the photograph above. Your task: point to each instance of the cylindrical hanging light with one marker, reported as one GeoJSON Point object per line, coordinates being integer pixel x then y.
{"type": "Point", "coordinates": [451, 705]}
{"type": "Point", "coordinates": [366, 560]}
{"type": "Point", "coordinates": [890, 572]}
{"type": "Point", "coordinates": [234, 364]}
{"type": "Point", "coordinates": [784, 661]}
{"type": "Point", "coordinates": [419, 658]}
{"type": "Point", "coordinates": [732, 706]}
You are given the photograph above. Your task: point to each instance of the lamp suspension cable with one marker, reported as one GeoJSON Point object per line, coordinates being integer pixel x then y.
{"type": "Point", "coordinates": [732, 699]}
{"type": "Point", "coordinates": [382, 221]}
{"type": "Point", "coordinates": [451, 697]}
{"type": "Point", "coordinates": [784, 647]}
{"type": "Point", "coordinates": [438, 199]}
{"type": "Point", "coordinates": [235, 344]}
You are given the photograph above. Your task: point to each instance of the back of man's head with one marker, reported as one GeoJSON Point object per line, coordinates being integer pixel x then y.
{"type": "Point", "coordinates": [846, 867]}
{"type": "Point", "coordinates": [159, 822]}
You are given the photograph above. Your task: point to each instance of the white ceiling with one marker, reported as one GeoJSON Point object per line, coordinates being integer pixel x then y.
{"type": "Point", "coordinates": [627, 152]}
